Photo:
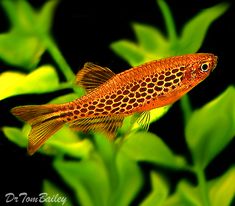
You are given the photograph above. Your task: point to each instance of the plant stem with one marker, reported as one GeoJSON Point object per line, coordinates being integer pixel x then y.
{"type": "Point", "coordinates": [59, 59]}
{"type": "Point", "coordinates": [169, 21]}
{"type": "Point", "coordinates": [186, 108]}
{"type": "Point", "coordinates": [202, 185]}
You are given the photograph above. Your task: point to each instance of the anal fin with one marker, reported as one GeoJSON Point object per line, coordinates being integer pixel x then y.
{"type": "Point", "coordinates": [108, 125]}
{"type": "Point", "coordinates": [91, 76]}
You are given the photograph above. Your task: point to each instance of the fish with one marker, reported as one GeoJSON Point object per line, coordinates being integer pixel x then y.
{"type": "Point", "coordinates": [111, 97]}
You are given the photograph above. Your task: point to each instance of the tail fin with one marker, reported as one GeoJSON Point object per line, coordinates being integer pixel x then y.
{"type": "Point", "coordinates": [45, 121]}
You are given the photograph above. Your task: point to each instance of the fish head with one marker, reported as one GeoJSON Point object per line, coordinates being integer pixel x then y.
{"type": "Point", "coordinates": [199, 67]}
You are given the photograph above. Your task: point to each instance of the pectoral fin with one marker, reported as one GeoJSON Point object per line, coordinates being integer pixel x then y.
{"type": "Point", "coordinates": [144, 120]}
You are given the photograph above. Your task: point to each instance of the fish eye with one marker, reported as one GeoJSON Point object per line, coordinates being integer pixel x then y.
{"type": "Point", "coordinates": [204, 67]}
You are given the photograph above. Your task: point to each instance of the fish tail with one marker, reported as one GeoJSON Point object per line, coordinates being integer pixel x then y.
{"type": "Point", "coordinates": [45, 121]}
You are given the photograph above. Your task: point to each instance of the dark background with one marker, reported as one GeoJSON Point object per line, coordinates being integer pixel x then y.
{"type": "Point", "coordinates": [83, 31]}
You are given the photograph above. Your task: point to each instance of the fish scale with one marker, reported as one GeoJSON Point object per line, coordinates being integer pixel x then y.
{"type": "Point", "coordinates": [132, 96]}
{"type": "Point", "coordinates": [111, 97]}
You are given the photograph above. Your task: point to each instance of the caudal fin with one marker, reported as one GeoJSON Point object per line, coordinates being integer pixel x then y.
{"type": "Point", "coordinates": [45, 121]}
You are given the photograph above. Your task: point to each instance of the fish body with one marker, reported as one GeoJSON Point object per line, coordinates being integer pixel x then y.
{"type": "Point", "coordinates": [111, 97]}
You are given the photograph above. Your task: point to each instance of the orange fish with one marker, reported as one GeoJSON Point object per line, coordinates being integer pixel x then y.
{"type": "Point", "coordinates": [111, 97]}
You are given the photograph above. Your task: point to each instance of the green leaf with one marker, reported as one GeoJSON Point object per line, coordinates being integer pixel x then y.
{"type": "Point", "coordinates": [211, 128]}
{"type": "Point", "coordinates": [15, 83]}
{"type": "Point", "coordinates": [186, 108]}
{"type": "Point", "coordinates": [65, 98]}
{"type": "Point", "coordinates": [129, 179]}
{"type": "Point", "coordinates": [105, 177]}
{"type": "Point", "coordinates": [195, 29]}
{"type": "Point", "coordinates": [222, 189]}
{"type": "Point", "coordinates": [131, 52]}
{"type": "Point", "coordinates": [53, 196]}
{"type": "Point", "coordinates": [150, 38]}
{"type": "Point", "coordinates": [67, 142]}
{"type": "Point", "coordinates": [16, 136]}
{"type": "Point", "coordinates": [20, 14]}
{"type": "Point", "coordinates": [190, 195]}
{"type": "Point", "coordinates": [24, 44]}
{"type": "Point", "coordinates": [186, 194]}
{"type": "Point", "coordinates": [20, 50]}
{"type": "Point", "coordinates": [144, 146]}
{"type": "Point", "coordinates": [105, 149]}
{"type": "Point", "coordinates": [169, 20]}
{"type": "Point", "coordinates": [123, 174]}
{"type": "Point", "coordinates": [153, 45]}
{"type": "Point", "coordinates": [45, 16]}
{"type": "Point", "coordinates": [221, 192]}
{"type": "Point", "coordinates": [80, 149]}
{"type": "Point", "coordinates": [64, 142]}
{"type": "Point", "coordinates": [88, 179]}
{"type": "Point", "coordinates": [159, 192]}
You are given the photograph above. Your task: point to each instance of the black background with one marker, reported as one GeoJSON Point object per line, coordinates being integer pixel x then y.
{"type": "Point", "coordinates": [83, 31]}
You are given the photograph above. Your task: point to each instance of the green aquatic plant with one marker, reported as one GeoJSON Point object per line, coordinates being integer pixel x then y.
{"type": "Point", "coordinates": [105, 173]}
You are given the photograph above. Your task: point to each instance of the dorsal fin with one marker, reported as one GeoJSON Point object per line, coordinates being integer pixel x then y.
{"type": "Point", "coordinates": [91, 76]}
